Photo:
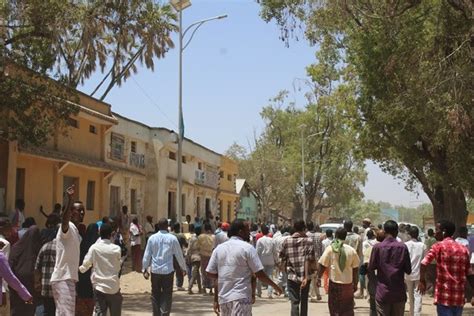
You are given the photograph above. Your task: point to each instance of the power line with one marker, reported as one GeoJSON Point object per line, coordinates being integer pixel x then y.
{"type": "Point", "coordinates": [153, 102]}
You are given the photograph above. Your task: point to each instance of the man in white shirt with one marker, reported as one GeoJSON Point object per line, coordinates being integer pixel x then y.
{"type": "Point", "coordinates": [233, 263]}
{"type": "Point", "coordinates": [104, 258]}
{"type": "Point", "coordinates": [136, 245]}
{"type": "Point", "coordinates": [268, 256]}
{"type": "Point", "coordinates": [417, 251]}
{"type": "Point", "coordinates": [65, 273]}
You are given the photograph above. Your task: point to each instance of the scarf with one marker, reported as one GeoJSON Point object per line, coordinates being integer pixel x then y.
{"type": "Point", "coordinates": [338, 247]}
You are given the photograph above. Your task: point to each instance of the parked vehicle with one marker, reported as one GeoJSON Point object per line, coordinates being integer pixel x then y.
{"type": "Point", "coordinates": [332, 226]}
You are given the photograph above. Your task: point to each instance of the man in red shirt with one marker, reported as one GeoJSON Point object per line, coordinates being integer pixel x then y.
{"type": "Point", "coordinates": [452, 267]}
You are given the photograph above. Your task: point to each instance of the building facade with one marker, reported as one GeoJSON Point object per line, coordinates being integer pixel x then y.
{"type": "Point", "coordinates": [249, 205]}
{"type": "Point", "coordinates": [228, 197]}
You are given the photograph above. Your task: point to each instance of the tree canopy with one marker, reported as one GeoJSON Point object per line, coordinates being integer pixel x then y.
{"type": "Point", "coordinates": [411, 64]}
{"type": "Point", "coordinates": [70, 41]}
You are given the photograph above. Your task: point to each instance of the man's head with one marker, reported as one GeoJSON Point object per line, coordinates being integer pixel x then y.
{"type": "Point", "coordinates": [77, 212]}
{"type": "Point", "coordinates": [299, 226]}
{"type": "Point", "coordinates": [163, 224]}
{"type": "Point", "coordinates": [20, 204]}
{"type": "Point", "coordinates": [366, 222]}
{"type": "Point", "coordinates": [329, 233]}
{"type": "Point", "coordinates": [225, 226]}
{"type": "Point", "coordinates": [430, 232]}
{"type": "Point", "coordinates": [177, 228]}
{"type": "Point", "coordinates": [188, 219]}
{"type": "Point", "coordinates": [254, 227]}
{"type": "Point", "coordinates": [265, 230]}
{"type": "Point", "coordinates": [444, 229]}
{"type": "Point", "coordinates": [310, 226]}
{"type": "Point", "coordinates": [348, 225]}
{"type": "Point", "coordinates": [53, 220]}
{"type": "Point", "coordinates": [240, 228]}
{"type": "Point", "coordinates": [29, 221]}
{"type": "Point", "coordinates": [370, 234]}
{"type": "Point", "coordinates": [391, 228]}
{"type": "Point", "coordinates": [413, 232]}
{"type": "Point", "coordinates": [463, 232]}
{"type": "Point", "coordinates": [105, 220]}
{"type": "Point", "coordinates": [105, 231]}
{"type": "Point", "coordinates": [57, 208]}
{"type": "Point", "coordinates": [355, 229]}
{"type": "Point", "coordinates": [135, 221]}
{"type": "Point", "coordinates": [208, 228]}
{"type": "Point", "coordinates": [380, 235]}
{"type": "Point", "coordinates": [125, 209]}
{"type": "Point", "coordinates": [341, 233]}
{"type": "Point", "coordinates": [317, 228]}
{"type": "Point", "coordinates": [149, 219]}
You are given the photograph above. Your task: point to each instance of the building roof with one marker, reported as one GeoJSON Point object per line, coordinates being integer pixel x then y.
{"type": "Point", "coordinates": [166, 130]}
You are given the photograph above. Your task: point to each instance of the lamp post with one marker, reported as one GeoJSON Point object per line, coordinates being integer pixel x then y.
{"type": "Point", "coordinates": [180, 5]}
{"type": "Point", "coordinates": [303, 182]}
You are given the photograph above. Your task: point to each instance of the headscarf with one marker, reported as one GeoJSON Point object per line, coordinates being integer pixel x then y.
{"type": "Point", "coordinates": [338, 247]}
{"type": "Point", "coordinates": [23, 255]}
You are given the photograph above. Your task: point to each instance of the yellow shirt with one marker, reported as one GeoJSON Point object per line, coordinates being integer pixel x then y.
{"type": "Point", "coordinates": [330, 260]}
{"type": "Point", "coordinates": [205, 244]}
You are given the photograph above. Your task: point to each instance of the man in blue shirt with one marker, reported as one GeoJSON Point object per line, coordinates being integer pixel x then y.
{"type": "Point", "coordinates": [160, 250]}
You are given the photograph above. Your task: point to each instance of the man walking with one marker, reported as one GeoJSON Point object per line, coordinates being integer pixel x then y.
{"type": "Point", "coordinates": [44, 268]}
{"type": "Point", "coordinates": [314, 232]}
{"type": "Point", "coordinates": [417, 251]}
{"type": "Point", "coordinates": [355, 241]}
{"type": "Point", "coordinates": [183, 243]}
{"type": "Point", "coordinates": [104, 258]}
{"type": "Point", "coordinates": [221, 236]}
{"type": "Point", "coordinates": [267, 254]}
{"type": "Point", "coordinates": [296, 255]}
{"type": "Point", "coordinates": [159, 253]}
{"type": "Point", "coordinates": [452, 268]}
{"type": "Point", "coordinates": [342, 262]}
{"type": "Point", "coordinates": [136, 244]}
{"type": "Point", "coordinates": [232, 263]}
{"type": "Point", "coordinates": [392, 261]}
{"type": "Point", "coordinates": [65, 273]}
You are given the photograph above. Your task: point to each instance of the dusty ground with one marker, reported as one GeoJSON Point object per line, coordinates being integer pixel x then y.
{"type": "Point", "coordinates": [136, 291]}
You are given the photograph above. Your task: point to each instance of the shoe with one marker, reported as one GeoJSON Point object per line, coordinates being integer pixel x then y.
{"type": "Point", "coordinates": [259, 295]}
{"type": "Point", "coordinates": [270, 297]}
{"type": "Point", "coordinates": [319, 298]}
{"type": "Point", "coordinates": [190, 291]}
{"type": "Point", "coordinates": [181, 289]}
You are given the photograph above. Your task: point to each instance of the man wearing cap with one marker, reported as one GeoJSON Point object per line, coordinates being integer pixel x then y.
{"type": "Point", "coordinates": [222, 235]}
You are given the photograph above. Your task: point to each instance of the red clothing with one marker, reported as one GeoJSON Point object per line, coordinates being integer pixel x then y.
{"type": "Point", "coordinates": [452, 268]}
{"type": "Point", "coordinates": [258, 236]}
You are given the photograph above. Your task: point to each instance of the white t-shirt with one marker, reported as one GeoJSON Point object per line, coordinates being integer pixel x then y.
{"type": "Point", "coordinates": [135, 238]}
{"type": "Point", "coordinates": [67, 254]}
{"type": "Point", "coordinates": [234, 261]}
{"type": "Point", "coordinates": [417, 251]}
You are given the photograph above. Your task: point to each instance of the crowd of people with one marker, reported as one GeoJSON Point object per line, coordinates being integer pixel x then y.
{"type": "Point", "coordinates": [70, 269]}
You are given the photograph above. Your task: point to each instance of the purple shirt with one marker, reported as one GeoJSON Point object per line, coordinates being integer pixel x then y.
{"type": "Point", "coordinates": [7, 274]}
{"type": "Point", "coordinates": [391, 260]}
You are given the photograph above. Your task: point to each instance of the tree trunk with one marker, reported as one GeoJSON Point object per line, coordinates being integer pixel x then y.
{"type": "Point", "coordinates": [449, 203]}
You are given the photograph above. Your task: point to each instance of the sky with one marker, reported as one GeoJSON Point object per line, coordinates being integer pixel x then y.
{"type": "Point", "coordinates": [231, 69]}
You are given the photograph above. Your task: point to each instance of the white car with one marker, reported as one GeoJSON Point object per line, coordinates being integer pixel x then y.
{"type": "Point", "coordinates": [421, 235]}
{"type": "Point", "coordinates": [332, 226]}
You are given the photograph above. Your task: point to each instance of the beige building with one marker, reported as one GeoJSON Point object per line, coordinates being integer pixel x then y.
{"type": "Point", "coordinates": [228, 196]}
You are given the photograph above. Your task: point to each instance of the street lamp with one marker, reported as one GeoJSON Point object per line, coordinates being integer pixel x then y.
{"type": "Point", "coordinates": [180, 5]}
{"type": "Point", "coordinates": [303, 182]}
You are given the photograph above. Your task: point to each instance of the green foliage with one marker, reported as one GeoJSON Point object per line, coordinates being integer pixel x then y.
{"type": "Point", "coordinates": [411, 64]}
{"type": "Point", "coordinates": [70, 41]}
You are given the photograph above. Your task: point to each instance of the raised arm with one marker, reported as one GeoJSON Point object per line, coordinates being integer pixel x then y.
{"type": "Point", "coordinates": [66, 216]}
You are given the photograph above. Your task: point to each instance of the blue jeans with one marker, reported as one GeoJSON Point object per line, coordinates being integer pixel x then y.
{"type": "Point", "coordinates": [449, 310]}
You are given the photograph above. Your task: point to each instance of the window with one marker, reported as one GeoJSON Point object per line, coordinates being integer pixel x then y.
{"type": "Point", "coordinates": [92, 129]}
{"type": "Point", "coordinates": [90, 195]}
{"type": "Point", "coordinates": [172, 155]}
{"type": "Point", "coordinates": [221, 174]}
{"type": "Point", "coordinates": [114, 200]}
{"type": "Point", "coordinates": [171, 204]}
{"type": "Point", "coordinates": [198, 206]}
{"type": "Point", "coordinates": [133, 147]}
{"type": "Point", "coordinates": [229, 177]}
{"type": "Point", "coordinates": [200, 165]}
{"type": "Point", "coordinates": [208, 208]}
{"type": "Point", "coordinates": [72, 122]}
{"type": "Point", "coordinates": [20, 183]}
{"type": "Point", "coordinates": [117, 147]}
{"type": "Point", "coordinates": [183, 159]}
{"type": "Point", "coordinates": [133, 201]}
{"type": "Point", "coordinates": [229, 211]}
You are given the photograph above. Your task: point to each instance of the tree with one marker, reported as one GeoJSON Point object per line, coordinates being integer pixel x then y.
{"type": "Point", "coordinates": [70, 41]}
{"type": "Point", "coordinates": [411, 62]}
{"type": "Point", "coordinates": [333, 171]}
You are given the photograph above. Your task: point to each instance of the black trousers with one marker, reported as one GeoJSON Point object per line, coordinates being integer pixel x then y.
{"type": "Point", "coordinates": [161, 293]}
{"type": "Point", "coordinates": [108, 302]}
{"type": "Point", "coordinates": [298, 297]}
{"type": "Point", "coordinates": [49, 308]}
